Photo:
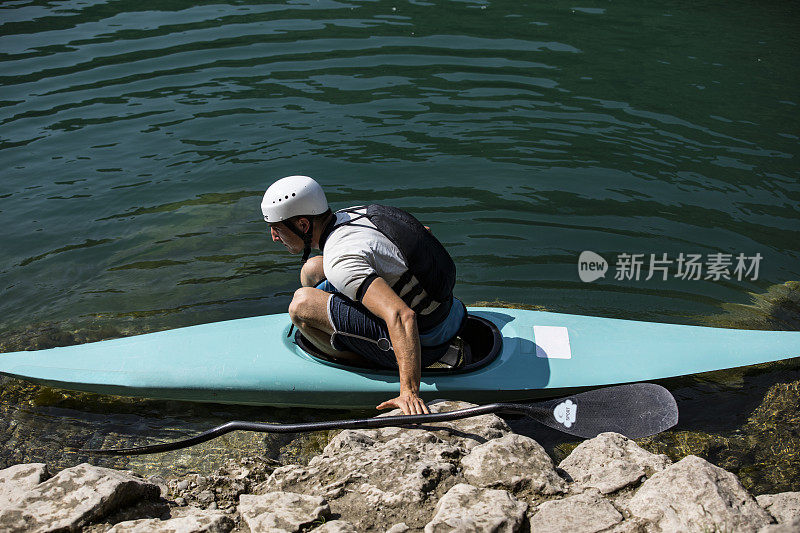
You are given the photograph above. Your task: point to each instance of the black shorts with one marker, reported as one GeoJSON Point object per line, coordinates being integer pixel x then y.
{"type": "Point", "coordinates": [357, 330]}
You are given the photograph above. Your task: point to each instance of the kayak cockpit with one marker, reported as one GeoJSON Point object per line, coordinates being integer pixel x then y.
{"type": "Point", "coordinates": [480, 335]}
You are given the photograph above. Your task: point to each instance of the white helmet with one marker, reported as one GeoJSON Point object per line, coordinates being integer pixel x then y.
{"type": "Point", "coordinates": [292, 196]}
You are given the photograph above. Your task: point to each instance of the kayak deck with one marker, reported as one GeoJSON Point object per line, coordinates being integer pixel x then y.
{"type": "Point", "coordinates": [256, 361]}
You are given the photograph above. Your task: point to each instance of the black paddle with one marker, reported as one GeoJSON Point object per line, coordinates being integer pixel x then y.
{"type": "Point", "coordinates": [636, 410]}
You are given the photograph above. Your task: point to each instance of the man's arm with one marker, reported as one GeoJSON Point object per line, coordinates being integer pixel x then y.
{"type": "Point", "coordinates": [401, 322]}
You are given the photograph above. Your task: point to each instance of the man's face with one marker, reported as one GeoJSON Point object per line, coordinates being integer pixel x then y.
{"type": "Point", "coordinates": [280, 233]}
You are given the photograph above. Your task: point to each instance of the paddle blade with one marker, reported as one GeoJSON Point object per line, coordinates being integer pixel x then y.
{"type": "Point", "coordinates": [637, 410]}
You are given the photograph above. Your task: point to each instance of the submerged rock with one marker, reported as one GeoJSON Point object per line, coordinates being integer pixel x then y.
{"type": "Point", "coordinates": [770, 441]}
{"type": "Point", "coordinates": [776, 309]}
{"type": "Point", "coordinates": [693, 494]}
{"type": "Point", "coordinates": [50, 335]}
{"type": "Point", "coordinates": [763, 454]}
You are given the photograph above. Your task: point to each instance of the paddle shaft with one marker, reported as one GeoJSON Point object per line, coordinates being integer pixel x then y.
{"type": "Point", "coordinates": [305, 427]}
{"type": "Point", "coordinates": [635, 410]}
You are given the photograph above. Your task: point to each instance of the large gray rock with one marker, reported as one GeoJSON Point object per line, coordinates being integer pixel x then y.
{"type": "Point", "coordinates": [281, 511]}
{"type": "Point", "coordinates": [195, 521]}
{"type": "Point", "coordinates": [785, 507]}
{"type": "Point", "coordinates": [390, 467]}
{"type": "Point", "coordinates": [373, 477]}
{"type": "Point", "coordinates": [394, 474]}
{"type": "Point", "coordinates": [512, 462]}
{"type": "Point", "coordinates": [17, 480]}
{"type": "Point", "coordinates": [74, 497]}
{"type": "Point", "coordinates": [584, 513]}
{"type": "Point", "coordinates": [610, 462]}
{"type": "Point", "coordinates": [470, 509]}
{"type": "Point", "coordinates": [692, 495]}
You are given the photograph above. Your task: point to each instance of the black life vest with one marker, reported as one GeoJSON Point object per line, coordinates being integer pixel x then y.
{"type": "Point", "coordinates": [427, 285]}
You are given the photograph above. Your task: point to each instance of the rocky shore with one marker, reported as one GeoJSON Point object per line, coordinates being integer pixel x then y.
{"type": "Point", "coordinates": [467, 475]}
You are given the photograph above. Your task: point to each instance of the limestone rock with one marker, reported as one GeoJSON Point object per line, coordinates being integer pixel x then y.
{"type": "Point", "coordinates": [336, 526]}
{"type": "Point", "coordinates": [466, 509]}
{"type": "Point", "coordinates": [512, 462]}
{"type": "Point", "coordinates": [162, 484]}
{"type": "Point", "coordinates": [206, 498]}
{"type": "Point", "coordinates": [693, 494]}
{"type": "Point", "coordinates": [398, 528]}
{"type": "Point", "coordinates": [786, 527]}
{"type": "Point", "coordinates": [17, 480]}
{"type": "Point", "coordinates": [400, 472]}
{"type": "Point", "coordinates": [197, 521]}
{"type": "Point", "coordinates": [610, 462]}
{"type": "Point", "coordinates": [372, 477]}
{"type": "Point", "coordinates": [281, 511]}
{"type": "Point", "coordinates": [785, 506]}
{"type": "Point", "coordinates": [389, 466]}
{"type": "Point", "coordinates": [584, 513]}
{"type": "Point", "coordinates": [74, 497]}
{"type": "Point", "coordinates": [348, 441]}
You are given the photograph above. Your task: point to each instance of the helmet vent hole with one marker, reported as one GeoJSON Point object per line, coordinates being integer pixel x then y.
{"type": "Point", "coordinates": [287, 196]}
{"type": "Point", "coordinates": [294, 194]}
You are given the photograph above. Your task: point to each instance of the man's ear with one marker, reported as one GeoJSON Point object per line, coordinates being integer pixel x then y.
{"type": "Point", "coordinates": [303, 224]}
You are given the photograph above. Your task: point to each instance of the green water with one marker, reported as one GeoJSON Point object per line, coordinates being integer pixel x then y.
{"type": "Point", "coordinates": [136, 139]}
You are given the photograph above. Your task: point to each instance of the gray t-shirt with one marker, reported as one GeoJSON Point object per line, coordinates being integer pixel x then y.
{"type": "Point", "coordinates": [356, 253]}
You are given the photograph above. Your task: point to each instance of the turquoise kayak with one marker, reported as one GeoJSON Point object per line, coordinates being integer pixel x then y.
{"type": "Point", "coordinates": [516, 355]}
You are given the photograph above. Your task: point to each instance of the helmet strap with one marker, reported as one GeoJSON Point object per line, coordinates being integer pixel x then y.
{"type": "Point", "coordinates": [307, 236]}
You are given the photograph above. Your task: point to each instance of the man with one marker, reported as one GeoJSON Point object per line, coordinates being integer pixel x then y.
{"type": "Point", "coordinates": [382, 291]}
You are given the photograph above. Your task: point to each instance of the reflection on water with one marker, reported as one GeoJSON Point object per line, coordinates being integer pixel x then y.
{"type": "Point", "coordinates": [138, 137]}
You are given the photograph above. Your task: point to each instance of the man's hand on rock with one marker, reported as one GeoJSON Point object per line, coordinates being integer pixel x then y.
{"type": "Point", "coordinates": [408, 402]}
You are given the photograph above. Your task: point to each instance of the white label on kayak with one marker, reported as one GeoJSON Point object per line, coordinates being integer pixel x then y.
{"type": "Point", "coordinates": [565, 413]}
{"type": "Point", "coordinates": [552, 342]}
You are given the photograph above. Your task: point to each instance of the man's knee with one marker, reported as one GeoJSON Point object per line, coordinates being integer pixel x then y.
{"type": "Point", "coordinates": [303, 307]}
{"type": "Point", "coordinates": [298, 305]}
{"type": "Point", "coordinates": [312, 272]}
